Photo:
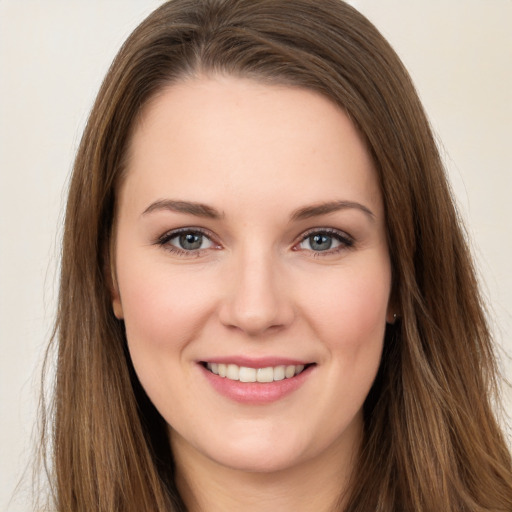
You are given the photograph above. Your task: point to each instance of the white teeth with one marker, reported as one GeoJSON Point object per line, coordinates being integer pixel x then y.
{"type": "Point", "coordinates": [265, 374]}
{"type": "Point", "coordinates": [289, 371]}
{"type": "Point", "coordinates": [279, 373]}
{"type": "Point", "coordinates": [233, 372]}
{"type": "Point", "coordinates": [247, 374]}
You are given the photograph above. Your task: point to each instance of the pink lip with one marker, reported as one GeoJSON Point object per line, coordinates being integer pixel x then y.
{"type": "Point", "coordinates": [256, 393]}
{"type": "Point", "coordinates": [257, 362]}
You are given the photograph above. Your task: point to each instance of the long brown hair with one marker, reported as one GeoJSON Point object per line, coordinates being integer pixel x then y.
{"type": "Point", "coordinates": [431, 441]}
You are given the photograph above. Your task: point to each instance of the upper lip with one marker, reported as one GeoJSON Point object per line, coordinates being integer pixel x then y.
{"type": "Point", "coordinates": [256, 362]}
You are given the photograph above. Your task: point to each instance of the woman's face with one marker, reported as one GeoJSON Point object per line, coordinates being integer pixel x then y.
{"type": "Point", "coordinates": [251, 246]}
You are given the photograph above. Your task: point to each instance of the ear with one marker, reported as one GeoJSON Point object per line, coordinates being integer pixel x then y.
{"type": "Point", "coordinates": [111, 278]}
{"type": "Point", "coordinates": [117, 306]}
{"type": "Point", "coordinates": [392, 313]}
{"type": "Point", "coordinates": [391, 317]}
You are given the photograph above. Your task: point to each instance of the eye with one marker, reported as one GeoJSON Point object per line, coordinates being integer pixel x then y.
{"type": "Point", "coordinates": [186, 241]}
{"type": "Point", "coordinates": [190, 241]}
{"type": "Point", "coordinates": [325, 241]}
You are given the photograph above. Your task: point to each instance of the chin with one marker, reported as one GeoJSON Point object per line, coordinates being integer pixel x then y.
{"type": "Point", "coordinates": [259, 451]}
{"type": "Point", "coordinates": [258, 460]}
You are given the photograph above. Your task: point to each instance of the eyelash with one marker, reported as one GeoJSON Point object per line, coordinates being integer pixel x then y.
{"type": "Point", "coordinates": [164, 240]}
{"type": "Point", "coordinates": [346, 241]}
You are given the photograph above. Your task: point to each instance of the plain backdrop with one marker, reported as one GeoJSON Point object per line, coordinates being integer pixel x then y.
{"type": "Point", "coordinates": [53, 56]}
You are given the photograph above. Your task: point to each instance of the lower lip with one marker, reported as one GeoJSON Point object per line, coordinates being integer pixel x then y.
{"type": "Point", "coordinates": [254, 393]}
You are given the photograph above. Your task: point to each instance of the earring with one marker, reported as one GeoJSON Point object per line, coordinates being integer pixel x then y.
{"type": "Point", "coordinates": [395, 318]}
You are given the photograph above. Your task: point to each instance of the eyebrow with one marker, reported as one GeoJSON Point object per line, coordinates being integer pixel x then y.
{"type": "Point", "coordinates": [329, 207]}
{"type": "Point", "coordinates": [203, 210]}
{"type": "Point", "coordinates": [191, 208]}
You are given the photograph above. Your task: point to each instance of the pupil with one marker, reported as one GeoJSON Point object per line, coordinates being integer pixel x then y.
{"type": "Point", "coordinates": [191, 241]}
{"type": "Point", "coordinates": [320, 242]}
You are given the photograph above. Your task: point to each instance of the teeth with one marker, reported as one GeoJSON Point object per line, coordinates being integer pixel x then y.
{"type": "Point", "coordinates": [265, 375]}
{"type": "Point", "coordinates": [289, 371]}
{"type": "Point", "coordinates": [233, 372]}
{"type": "Point", "coordinates": [247, 374]}
{"type": "Point", "coordinates": [279, 373]}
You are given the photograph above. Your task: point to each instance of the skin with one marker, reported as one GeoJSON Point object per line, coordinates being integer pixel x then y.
{"type": "Point", "coordinates": [257, 155]}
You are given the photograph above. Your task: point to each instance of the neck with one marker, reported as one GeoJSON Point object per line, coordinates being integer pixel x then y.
{"type": "Point", "coordinates": [319, 484]}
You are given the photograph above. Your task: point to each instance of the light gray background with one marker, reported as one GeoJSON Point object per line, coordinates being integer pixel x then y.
{"type": "Point", "coordinates": [53, 56]}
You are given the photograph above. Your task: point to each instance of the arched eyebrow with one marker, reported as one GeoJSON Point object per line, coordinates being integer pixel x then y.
{"type": "Point", "coordinates": [306, 212]}
{"type": "Point", "coordinates": [191, 208]}
{"type": "Point", "coordinates": [332, 206]}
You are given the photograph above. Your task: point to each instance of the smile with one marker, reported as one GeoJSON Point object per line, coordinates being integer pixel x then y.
{"type": "Point", "coordinates": [248, 374]}
{"type": "Point", "coordinates": [256, 381]}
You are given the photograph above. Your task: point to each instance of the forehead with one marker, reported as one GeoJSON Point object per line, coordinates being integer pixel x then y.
{"type": "Point", "coordinates": [211, 139]}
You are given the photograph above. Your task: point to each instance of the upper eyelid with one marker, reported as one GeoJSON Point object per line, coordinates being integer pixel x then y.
{"type": "Point", "coordinates": [330, 231]}
{"type": "Point", "coordinates": [174, 232]}
{"type": "Point", "coordinates": [164, 241]}
{"type": "Point", "coordinates": [165, 237]}
{"type": "Point", "coordinates": [345, 240]}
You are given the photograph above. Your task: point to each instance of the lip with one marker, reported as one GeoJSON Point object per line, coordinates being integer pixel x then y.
{"type": "Point", "coordinates": [256, 393]}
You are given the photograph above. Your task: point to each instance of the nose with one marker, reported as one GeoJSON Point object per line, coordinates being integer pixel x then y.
{"type": "Point", "coordinates": [257, 300]}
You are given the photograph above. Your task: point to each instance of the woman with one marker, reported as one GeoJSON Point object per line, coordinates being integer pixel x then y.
{"type": "Point", "coordinates": [266, 297]}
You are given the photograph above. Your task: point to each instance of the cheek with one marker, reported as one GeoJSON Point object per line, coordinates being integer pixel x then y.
{"type": "Point", "coordinates": [350, 307]}
{"type": "Point", "coordinates": [350, 319]}
{"type": "Point", "coordinates": [163, 311]}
